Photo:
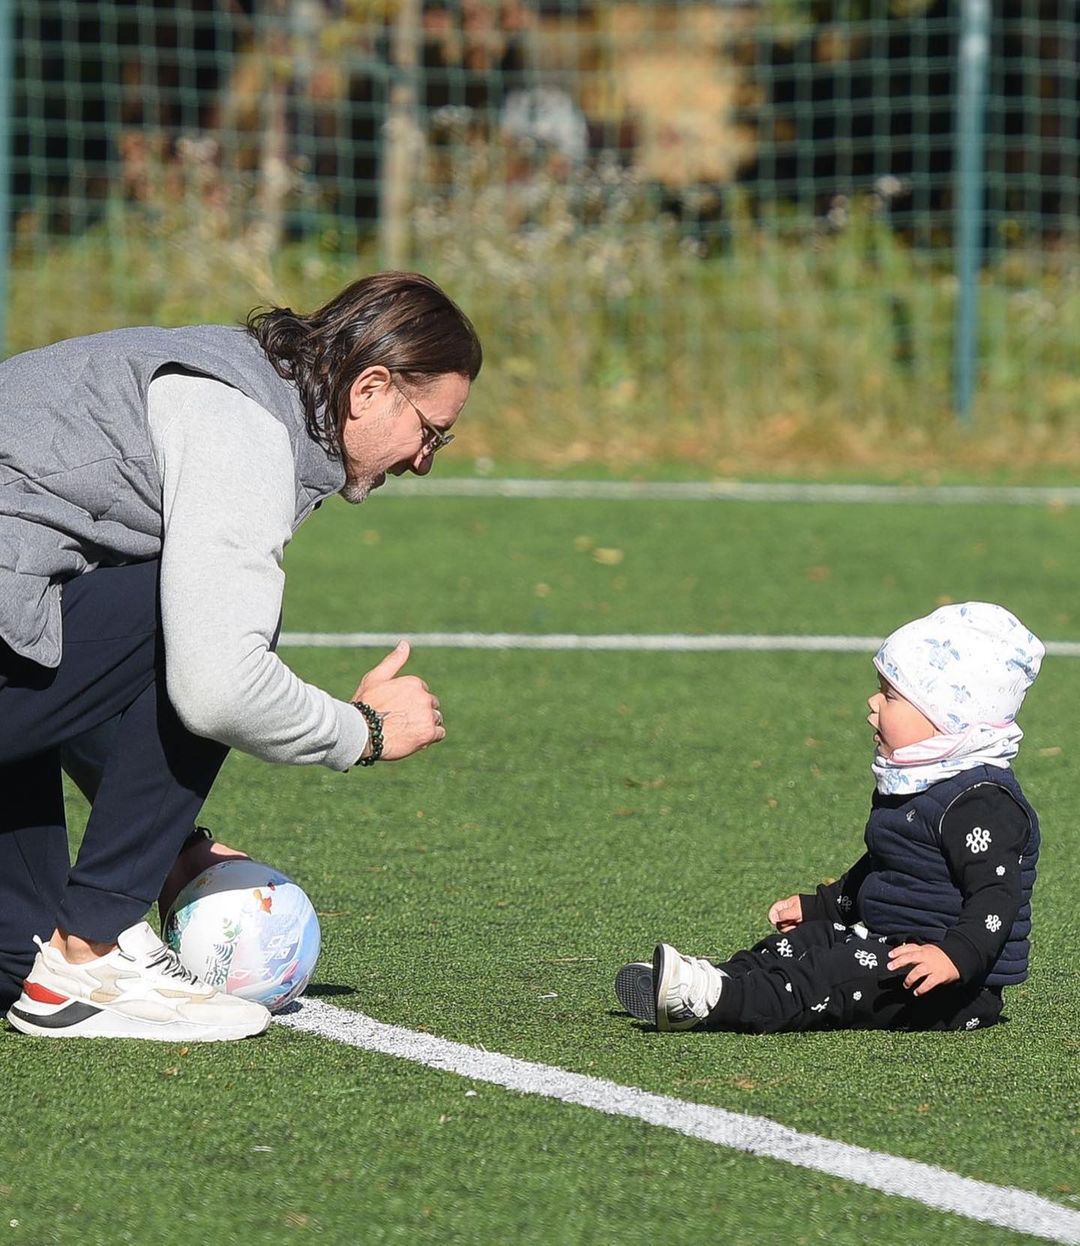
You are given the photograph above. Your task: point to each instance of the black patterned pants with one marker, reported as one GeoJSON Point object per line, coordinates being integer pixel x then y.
{"type": "Point", "coordinates": [822, 975]}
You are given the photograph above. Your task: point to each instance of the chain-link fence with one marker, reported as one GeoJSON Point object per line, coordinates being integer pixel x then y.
{"type": "Point", "coordinates": [704, 222]}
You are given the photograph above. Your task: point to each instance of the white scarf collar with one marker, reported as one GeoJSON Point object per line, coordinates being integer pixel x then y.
{"type": "Point", "coordinates": [916, 767]}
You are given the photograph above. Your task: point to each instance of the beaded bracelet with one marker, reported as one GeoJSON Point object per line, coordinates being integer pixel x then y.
{"type": "Point", "coordinates": [375, 736]}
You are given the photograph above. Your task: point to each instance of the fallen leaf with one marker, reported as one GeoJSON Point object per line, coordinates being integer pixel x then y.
{"type": "Point", "coordinates": [608, 557]}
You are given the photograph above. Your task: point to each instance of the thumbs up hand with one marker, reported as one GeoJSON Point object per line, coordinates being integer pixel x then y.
{"type": "Point", "coordinates": [411, 718]}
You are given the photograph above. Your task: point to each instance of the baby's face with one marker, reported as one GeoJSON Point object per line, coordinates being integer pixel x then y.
{"type": "Point", "coordinates": [896, 722]}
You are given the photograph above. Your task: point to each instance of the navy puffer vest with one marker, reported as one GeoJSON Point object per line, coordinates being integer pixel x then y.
{"type": "Point", "coordinates": [909, 890]}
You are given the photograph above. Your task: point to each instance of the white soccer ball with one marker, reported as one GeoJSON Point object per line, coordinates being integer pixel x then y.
{"type": "Point", "coordinates": [247, 929]}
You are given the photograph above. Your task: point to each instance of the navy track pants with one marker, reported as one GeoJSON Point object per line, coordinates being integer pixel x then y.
{"type": "Point", "coordinates": [149, 791]}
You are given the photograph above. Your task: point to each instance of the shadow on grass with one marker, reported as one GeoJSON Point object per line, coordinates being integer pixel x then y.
{"type": "Point", "coordinates": [324, 990]}
{"type": "Point", "coordinates": [316, 990]}
{"type": "Point", "coordinates": [642, 1027]}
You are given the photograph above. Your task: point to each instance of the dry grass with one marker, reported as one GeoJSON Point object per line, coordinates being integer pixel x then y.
{"type": "Point", "coordinates": [793, 351]}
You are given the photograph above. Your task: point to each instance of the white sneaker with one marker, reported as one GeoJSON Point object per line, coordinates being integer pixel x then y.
{"type": "Point", "coordinates": [139, 990]}
{"type": "Point", "coordinates": [687, 988]}
{"type": "Point", "coordinates": [634, 988]}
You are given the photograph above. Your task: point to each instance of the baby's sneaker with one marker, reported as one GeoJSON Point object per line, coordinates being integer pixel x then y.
{"type": "Point", "coordinates": [138, 990]}
{"type": "Point", "coordinates": [687, 988]}
{"type": "Point", "coordinates": [634, 989]}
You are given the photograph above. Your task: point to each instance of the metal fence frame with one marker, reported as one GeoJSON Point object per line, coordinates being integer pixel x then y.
{"type": "Point", "coordinates": [398, 71]}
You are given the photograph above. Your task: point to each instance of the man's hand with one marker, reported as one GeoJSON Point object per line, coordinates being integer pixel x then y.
{"type": "Point", "coordinates": [411, 716]}
{"type": "Point", "coordinates": [202, 854]}
{"type": "Point", "coordinates": [929, 966]}
{"type": "Point", "coordinates": [786, 914]}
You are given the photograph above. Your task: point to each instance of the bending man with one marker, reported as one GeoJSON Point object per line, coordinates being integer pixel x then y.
{"type": "Point", "coordinates": [149, 482]}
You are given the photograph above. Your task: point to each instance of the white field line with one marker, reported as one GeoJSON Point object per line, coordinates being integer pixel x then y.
{"type": "Point", "coordinates": [938, 1188]}
{"type": "Point", "coordinates": [673, 643]}
{"type": "Point", "coordinates": [734, 491]}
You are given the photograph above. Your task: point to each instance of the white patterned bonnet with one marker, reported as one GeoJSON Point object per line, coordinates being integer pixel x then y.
{"type": "Point", "coordinates": [963, 665]}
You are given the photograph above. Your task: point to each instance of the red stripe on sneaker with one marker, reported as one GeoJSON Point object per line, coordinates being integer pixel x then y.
{"type": "Point", "coordinates": [42, 994]}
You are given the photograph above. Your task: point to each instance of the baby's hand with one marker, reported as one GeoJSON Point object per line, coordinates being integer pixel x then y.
{"type": "Point", "coordinates": [786, 914]}
{"type": "Point", "coordinates": [930, 967]}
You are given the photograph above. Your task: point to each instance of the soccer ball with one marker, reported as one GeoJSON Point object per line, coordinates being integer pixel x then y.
{"type": "Point", "coordinates": [247, 929]}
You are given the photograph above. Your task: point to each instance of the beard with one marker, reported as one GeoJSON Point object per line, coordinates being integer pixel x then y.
{"type": "Point", "coordinates": [356, 491]}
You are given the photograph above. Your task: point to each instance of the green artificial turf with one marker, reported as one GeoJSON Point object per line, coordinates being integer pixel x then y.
{"type": "Point", "coordinates": [583, 806]}
{"type": "Point", "coordinates": [296, 1139]}
{"type": "Point", "coordinates": [484, 564]}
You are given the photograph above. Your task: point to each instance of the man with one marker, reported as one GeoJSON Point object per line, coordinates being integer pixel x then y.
{"type": "Point", "coordinates": [149, 481]}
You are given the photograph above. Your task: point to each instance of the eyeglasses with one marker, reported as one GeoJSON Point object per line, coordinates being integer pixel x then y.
{"type": "Point", "coordinates": [434, 438]}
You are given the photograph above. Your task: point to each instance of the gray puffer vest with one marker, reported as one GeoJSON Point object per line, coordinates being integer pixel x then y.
{"type": "Point", "coordinates": [78, 483]}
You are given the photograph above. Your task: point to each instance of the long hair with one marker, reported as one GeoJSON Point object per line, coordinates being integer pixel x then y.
{"type": "Point", "coordinates": [402, 321]}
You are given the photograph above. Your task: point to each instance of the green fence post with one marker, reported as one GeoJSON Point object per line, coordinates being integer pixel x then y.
{"type": "Point", "coordinates": [974, 54]}
{"type": "Point", "coordinates": [7, 18]}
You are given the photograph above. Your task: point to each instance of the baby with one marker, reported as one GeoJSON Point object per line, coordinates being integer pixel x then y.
{"type": "Point", "coordinates": [928, 926]}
